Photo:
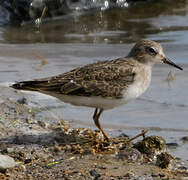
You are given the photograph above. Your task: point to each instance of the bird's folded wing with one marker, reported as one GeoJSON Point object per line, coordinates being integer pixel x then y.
{"type": "Point", "coordinates": [106, 79]}
{"type": "Point", "coordinates": [98, 80]}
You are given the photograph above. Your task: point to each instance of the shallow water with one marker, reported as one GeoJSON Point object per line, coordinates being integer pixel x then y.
{"type": "Point", "coordinates": [75, 40]}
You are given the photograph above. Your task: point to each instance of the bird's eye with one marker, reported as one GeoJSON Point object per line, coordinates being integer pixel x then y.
{"type": "Point", "coordinates": [151, 50]}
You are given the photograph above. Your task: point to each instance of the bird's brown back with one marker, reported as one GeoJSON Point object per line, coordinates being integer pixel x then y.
{"type": "Point", "coordinates": [106, 79]}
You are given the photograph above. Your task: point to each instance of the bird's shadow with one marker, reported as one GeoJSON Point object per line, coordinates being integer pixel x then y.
{"type": "Point", "coordinates": [57, 136]}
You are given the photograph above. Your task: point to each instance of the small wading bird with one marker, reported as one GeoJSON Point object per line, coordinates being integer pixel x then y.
{"type": "Point", "coordinates": [106, 84]}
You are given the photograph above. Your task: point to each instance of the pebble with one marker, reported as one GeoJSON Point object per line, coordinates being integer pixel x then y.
{"type": "Point", "coordinates": [172, 145]}
{"type": "Point", "coordinates": [130, 154]}
{"type": "Point", "coordinates": [151, 145]}
{"type": "Point", "coordinates": [42, 124]}
{"type": "Point", "coordinates": [6, 162]}
{"type": "Point", "coordinates": [27, 161]}
{"type": "Point", "coordinates": [129, 175]}
{"type": "Point", "coordinates": [164, 160]}
{"type": "Point", "coordinates": [94, 173]}
{"type": "Point", "coordinates": [22, 100]}
{"type": "Point", "coordinates": [10, 150]}
{"type": "Point", "coordinates": [22, 168]}
{"type": "Point", "coordinates": [155, 175]}
{"type": "Point", "coordinates": [183, 168]}
{"type": "Point", "coordinates": [123, 135]}
{"type": "Point", "coordinates": [184, 139]}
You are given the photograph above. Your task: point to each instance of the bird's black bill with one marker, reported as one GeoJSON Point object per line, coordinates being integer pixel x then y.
{"type": "Point", "coordinates": [168, 61]}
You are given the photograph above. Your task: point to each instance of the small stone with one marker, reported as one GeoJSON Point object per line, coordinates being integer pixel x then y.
{"type": "Point", "coordinates": [155, 175]}
{"type": "Point", "coordinates": [27, 161]}
{"type": "Point", "coordinates": [119, 177]}
{"type": "Point", "coordinates": [23, 100]}
{"type": "Point", "coordinates": [185, 139]}
{"type": "Point", "coordinates": [29, 120]}
{"type": "Point", "coordinates": [164, 160]}
{"type": "Point", "coordinates": [130, 154]}
{"type": "Point", "coordinates": [42, 124]}
{"type": "Point", "coordinates": [22, 168]}
{"type": "Point", "coordinates": [162, 175]}
{"type": "Point", "coordinates": [183, 168]}
{"type": "Point", "coordinates": [56, 149]}
{"type": "Point", "coordinates": [94, 173]}
{"type": "Point", "coordinates": [10, 150]}
{"type": "Point", "coordinates": [6, 162]}
{"type": "Point", "coordinates": [151, 145]}
{"type": "Point", "coordinates": [172, 145]}
{"type": "Point", "coordinates": [129, 175]}
{"type": "Point", "coordinates": [123, 135]}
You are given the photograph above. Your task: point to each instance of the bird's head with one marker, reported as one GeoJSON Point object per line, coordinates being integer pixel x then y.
{"type": "Point", "coordinates": [150, 52]}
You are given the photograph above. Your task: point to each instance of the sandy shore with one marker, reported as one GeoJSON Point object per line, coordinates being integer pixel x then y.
{"type": "Point", "coordinates": [48, 148]}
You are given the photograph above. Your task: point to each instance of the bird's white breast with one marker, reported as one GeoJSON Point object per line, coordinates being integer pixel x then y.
{"type": "Point", "coordinates": [140, 84]}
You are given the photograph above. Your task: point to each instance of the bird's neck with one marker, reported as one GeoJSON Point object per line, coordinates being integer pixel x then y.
{"type": "Point", "coordinates": [142, 60]}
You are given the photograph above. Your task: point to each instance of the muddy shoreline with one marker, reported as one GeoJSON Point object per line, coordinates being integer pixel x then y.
{"type": "Point", "coordinates": [51, 149]}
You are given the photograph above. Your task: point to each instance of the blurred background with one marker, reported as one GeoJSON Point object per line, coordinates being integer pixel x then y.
{"type": "Point", "coordinates": [45, 38]}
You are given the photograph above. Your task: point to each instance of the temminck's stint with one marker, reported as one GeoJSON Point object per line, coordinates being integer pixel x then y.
{"type": "Point", "coordinates": [105, 84]}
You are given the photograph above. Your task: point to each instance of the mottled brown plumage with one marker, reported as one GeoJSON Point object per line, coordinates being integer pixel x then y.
{"type": "Point", "coordinates": [104, 84]}
{"type": "Point", "coordinates": [105, 79]}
